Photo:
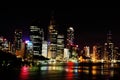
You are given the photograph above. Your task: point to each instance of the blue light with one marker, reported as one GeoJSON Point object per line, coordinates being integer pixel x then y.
{"type": "Point", "coordinates": [27, 41]}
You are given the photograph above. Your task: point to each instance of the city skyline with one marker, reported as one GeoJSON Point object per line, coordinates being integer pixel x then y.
{"type": "Point", "coordinates": [91, 24]}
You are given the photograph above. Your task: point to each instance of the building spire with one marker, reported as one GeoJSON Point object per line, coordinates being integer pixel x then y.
{"type": "Point", "coordinates": [52, 21]}
{"type": "Point", "coordinates": [109, 37]}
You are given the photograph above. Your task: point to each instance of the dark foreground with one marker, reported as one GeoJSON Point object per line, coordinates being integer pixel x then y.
{"type": "Point", "coordinates": [68, 71]}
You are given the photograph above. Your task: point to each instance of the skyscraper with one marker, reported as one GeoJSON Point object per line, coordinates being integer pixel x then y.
{"type": "Point", "coordinates": [70, 38]}
{"type": "Point", "coordinates": [108, 49]}
{"type": "Point", "coordinates": [36, 34]}
{"type": "Point", "coordinates": [18, 39]}
{"type": "Point", "coordinates": [60, 47]}
{"type": "Point", "coordinates": [52, 39]}
{"type": "Point", "coordinates": [4, 44]}
{"type": "Point", "coordinates": [18, 46]}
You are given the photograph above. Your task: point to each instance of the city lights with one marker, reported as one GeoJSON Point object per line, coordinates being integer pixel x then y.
{"type": "Point", "coordinates": [59, 44]}
{"type": "Point", "coordinates": [59, 47]}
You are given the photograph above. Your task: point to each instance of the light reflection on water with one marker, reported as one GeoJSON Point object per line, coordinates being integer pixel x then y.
{"type": "Point", "coordinates": [68, 72]}
{"type": "Point", "coordinates": [24, 73]}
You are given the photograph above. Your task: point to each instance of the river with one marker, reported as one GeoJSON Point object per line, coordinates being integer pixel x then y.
{"type": "Point", "coordinates": [69, 71]}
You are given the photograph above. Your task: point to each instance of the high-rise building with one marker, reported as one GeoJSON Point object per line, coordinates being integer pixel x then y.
{"type": "Point", "coordinates": [19, 45]}
{"type": "Point", "coordinates": [108, 49]}
{"type": "Point", "coordinates": [52, 39]}
{"type": "Point", "coordinates": [70, 38]}
{"type": "Point", "coordinates": [66, 54]}
{"type": "Point", "coordinates": [100, 51]}
{"type": "Point", "coordinates": [4, 44]}
{"type": "Point", "coordinates": [60, 47]}
{"type": "Point", "coordinates": [87, 51]}
{"type": "Point", "coordinates": [21, 53]}
{"type": "Point", "coordinates": [28, 50]}
{"type": "Point", "coordinates": [36, 36]}
{"type": "Point", "coordinates": [17, 39]}
{"type": "Point", "coordinates": [44, 49]}
{"type": "Point", "coordinates": [94, 54]}
{"type": "Point", "coordinates": [1, 42]}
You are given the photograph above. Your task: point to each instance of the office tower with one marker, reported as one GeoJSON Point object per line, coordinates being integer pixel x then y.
{"type": "Point", "coordinates": [17, 39]}
{"type": "Point", "coordinates": [66, 54]}
{"type": "Point", "coordinates": [28, 50]}
{"type": "Point", "coordinates": [36, 34]}
{"type": "Point", "coordinates": [29, 47]}
{"type": "Point", "coordinates": [100, 52]}
{"type": "Point", "coordinates": [116, 53]}
{"type": "Point", "coordinates": [4, 44]}
{"type": "Point", "coordinates": [52, 39]}
{"type": "Point", "coordinates": [1, 42]}
{"type": "Point", "coordinates": [94, 54]}
{"type": "Point", "coordinates": [108, 49]}
{"type": "Point", "coordinates": [70, 38]}
{"type": "Point", "coordinates": [44, 49]}
{"type": "Point", "coordinates": [18, 47]}
{"type": "Point", "coordinates": [21, 52]}
{"type": "Point", "coordinates": [60, 47]}
{"type": "Point", "coordinates": [87, 51]}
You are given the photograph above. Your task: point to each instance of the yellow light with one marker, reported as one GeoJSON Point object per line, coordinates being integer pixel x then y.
{"type": "Point", "coordinates": [94, 72]}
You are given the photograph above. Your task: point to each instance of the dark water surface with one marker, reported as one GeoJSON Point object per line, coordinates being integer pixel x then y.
{"type": "Point", "coordinates": [63, 72]}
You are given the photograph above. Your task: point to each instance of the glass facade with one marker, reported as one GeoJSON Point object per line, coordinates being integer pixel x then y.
{"type": "Point", "coordinates": [36, 39]}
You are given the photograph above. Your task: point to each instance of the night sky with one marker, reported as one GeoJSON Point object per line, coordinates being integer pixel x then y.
{"type": "Point", "coordinates": [91, 25]}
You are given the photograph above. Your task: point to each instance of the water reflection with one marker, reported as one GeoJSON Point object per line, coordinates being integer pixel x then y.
{"type": "Point", "coordinates": [69, 75]}
{"type": "Point", "coordinates": [69, 71]}
{"type": "Point", "coordinates": [24, 73]}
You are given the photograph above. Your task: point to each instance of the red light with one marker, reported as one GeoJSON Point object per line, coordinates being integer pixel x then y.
{"type": "Point", "coordinates": [24, 74]}
{"type": "Point", "coordinates": [70, 63]}
{"type": "Point", "coordinates": [4, 39]}
{"type": "Point", "coordinates": [69, 71]}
